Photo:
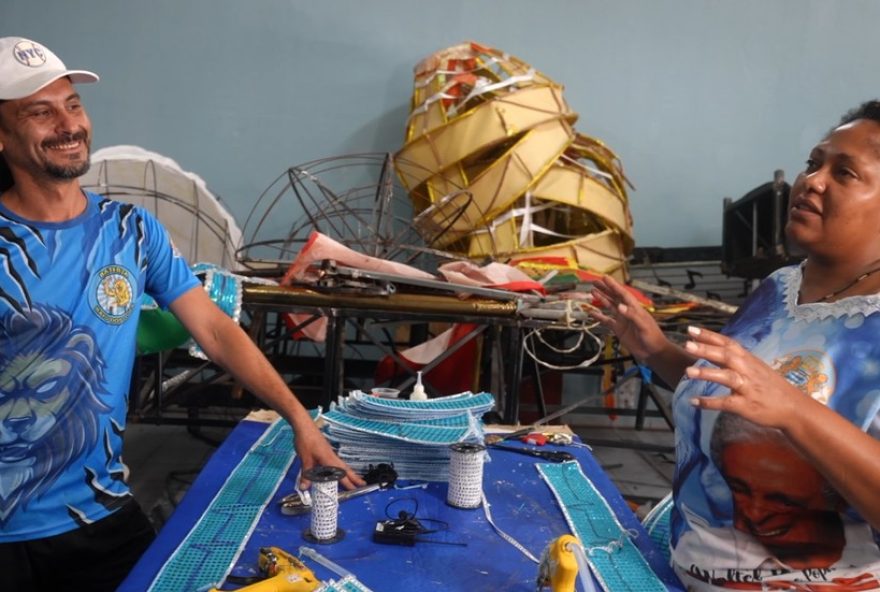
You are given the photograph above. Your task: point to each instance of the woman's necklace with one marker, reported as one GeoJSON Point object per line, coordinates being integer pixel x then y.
{"type": "Point", "coordinates": [831, 295]}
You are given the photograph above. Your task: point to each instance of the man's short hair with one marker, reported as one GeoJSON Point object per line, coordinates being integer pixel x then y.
{"type": "Point", "coordinates": [731, 428]}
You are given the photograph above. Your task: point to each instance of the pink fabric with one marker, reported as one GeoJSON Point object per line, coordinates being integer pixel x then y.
{"type": "Point", "coordinates": [320, 247]}
{"type": "Point", "coordinates": [493, 275]}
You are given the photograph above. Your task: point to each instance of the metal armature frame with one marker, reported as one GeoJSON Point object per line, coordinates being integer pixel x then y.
{"type": "Point", "coordinates": [152, 397]}
{"type": "Point", "coordinates": [355, 199]}
{"type": "Point", "coordinates": [362, 327]}
{"type": "Point", "coordinates": [497, 319]}
{"type": "Point", "coordinates": [358, 201]}
{"type": "Point", "coordinates": [189, 205]}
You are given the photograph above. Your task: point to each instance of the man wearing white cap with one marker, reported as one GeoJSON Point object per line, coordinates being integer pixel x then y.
{"type": "Point", "coordinates": [73, 268]}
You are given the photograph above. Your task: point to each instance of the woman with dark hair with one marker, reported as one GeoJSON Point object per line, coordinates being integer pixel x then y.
{"type": "Point", "coordinates": [799, 363]}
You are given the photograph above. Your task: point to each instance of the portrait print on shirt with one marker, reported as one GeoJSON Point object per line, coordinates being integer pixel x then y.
{"type": "Point", "coordinates": [750, 510]}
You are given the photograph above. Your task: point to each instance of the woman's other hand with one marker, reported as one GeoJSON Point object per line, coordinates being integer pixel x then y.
{"type": "Point", "coordinates": [757, 391]}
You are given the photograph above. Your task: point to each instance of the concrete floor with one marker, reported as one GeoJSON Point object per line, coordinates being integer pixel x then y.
{"type": "Point", "coordinates": [643, 477]}
{"type": "Point", "coordinates": [163, 461]}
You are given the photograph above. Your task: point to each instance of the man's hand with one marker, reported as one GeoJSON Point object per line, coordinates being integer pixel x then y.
{"type": "Point", "coordinates": [314, 450]}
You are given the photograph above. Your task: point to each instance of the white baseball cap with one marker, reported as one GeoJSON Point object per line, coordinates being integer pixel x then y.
{"type": "Point", "coordinates": [26, 67]}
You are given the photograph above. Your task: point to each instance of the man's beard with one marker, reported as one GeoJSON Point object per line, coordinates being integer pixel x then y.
{"type": "Point", "coordinates": [70, 171]}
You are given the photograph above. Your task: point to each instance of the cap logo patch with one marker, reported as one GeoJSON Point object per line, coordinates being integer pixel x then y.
{"type": "Point", "coordinates": [29, 53]}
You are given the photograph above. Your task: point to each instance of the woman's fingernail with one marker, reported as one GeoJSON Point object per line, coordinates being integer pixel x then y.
{"type": "Point", "coordinates": [622, 307]}
{"type": "Point", "coordinates": [691, 371]}
{"type": "Point", "coordinates": [694, 330]}
{"type": "Point", "coordinates": [690, 346]}
{"type": "Point", "coordinates": [695, 402]}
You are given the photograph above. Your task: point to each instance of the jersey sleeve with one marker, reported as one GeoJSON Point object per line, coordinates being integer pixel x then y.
{"type": "Point", "coordinates": [167, 274]}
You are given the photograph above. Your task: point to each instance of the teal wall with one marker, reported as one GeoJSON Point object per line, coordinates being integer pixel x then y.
{"type": "Point", "coordinates": [702, 99]}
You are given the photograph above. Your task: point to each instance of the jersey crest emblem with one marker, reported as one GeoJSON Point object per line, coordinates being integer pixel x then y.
{"type": "Point", "coordinates": [112, 294]}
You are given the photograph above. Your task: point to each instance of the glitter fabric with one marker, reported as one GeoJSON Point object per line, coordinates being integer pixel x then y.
{"type": "Point", "coordinates": [210, 549]}
{"type": "Point", "coordinates": [616, 561]}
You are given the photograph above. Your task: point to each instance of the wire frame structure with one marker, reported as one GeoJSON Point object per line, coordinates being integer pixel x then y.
{"type": "Point", "coordinates": [486, 123]}
{"type": "Point", "coordinates": [198, 223]}
{"type": "Point", "coordinates": [356, 200]}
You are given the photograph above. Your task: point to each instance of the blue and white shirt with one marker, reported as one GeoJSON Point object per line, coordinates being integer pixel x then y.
{"type": "Point", "coordinates": [747, 517]}
{"type": "Point", "coordinates": [69, 307]}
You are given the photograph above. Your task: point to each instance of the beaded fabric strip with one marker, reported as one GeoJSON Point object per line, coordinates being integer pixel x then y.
{"type": "Point", "coordinates": [415, 434]}
{"type": "Point", "coordinates": [211, 547]}
{"type": "Point", "coordinates": [346, 584]}
{"type": "Point", "coordinates": [224, 288]}
{"type": "Point", "coordinates": [436, 407]}
{"type": "Point", "coordinates": [616, 562]}
{"type": "Point", "coordinates": [422, 434]}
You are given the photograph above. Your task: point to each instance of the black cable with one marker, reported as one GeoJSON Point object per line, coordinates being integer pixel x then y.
{"type": "Point", "coordinates": [243, 580]}
{"type": "Point", "coordinates": [405, 528]}
{"type": "Point", "coordinates": [397, 501]}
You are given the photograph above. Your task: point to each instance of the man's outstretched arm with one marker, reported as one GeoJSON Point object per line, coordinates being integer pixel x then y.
{"type": "Point", "coordinates": [228, 346]}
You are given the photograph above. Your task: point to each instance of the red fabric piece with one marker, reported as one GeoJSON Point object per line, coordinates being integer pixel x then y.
{"type": "Point", "coordinates": [455, 374]}
{"type": "Point", "coordinates": [526, 286]}
{"type": "Point", "coordinates": [535, 439]}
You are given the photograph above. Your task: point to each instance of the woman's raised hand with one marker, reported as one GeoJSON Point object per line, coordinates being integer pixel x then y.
{"type": "Point", "coordinates": [634, 326]}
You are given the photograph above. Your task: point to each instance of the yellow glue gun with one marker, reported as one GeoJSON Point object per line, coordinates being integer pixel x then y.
{"type": "Point", "coordinates": [558, 567]}
{"type": "Point", "coordinates": [283, 572]}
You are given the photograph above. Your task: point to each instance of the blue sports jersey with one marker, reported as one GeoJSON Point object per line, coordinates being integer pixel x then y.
{"type": "Point", "coordinates": [69, 307]}
{"type": "Point", "coordinates": [748, 507]}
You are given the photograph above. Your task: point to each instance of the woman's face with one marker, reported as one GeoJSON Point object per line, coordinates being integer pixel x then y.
{"type": "Point", "coordinates": [834, 207]}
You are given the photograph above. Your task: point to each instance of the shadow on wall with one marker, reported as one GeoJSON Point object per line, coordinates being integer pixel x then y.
{"type": "Point", "coordinates": [385, 132]}
{"type": "Point", "coordinates": [382, 134]}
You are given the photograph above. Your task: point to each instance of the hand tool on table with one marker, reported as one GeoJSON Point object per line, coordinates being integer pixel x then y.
{"type": "Point", "coordinates": [283, 573]}
{"type": "Point", "coordinates": [493, 438]}
{"type": "Point", "coordinates": [559, 568]}
{"type": "Point", "coordinates": [382, 476]}
{"type": "Point", "coordinates": [296, 504]}
{"type": "Point", "coordinates": [551, 455]}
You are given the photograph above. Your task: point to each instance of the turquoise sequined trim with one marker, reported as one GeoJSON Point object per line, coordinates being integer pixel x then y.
{"type": "Point", "coordinates": [616, 562]}
{"type": "Point", "coordinates": [209, 551]}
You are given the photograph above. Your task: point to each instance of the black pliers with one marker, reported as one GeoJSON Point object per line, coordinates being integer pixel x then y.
{"type": "Point", "coordinates": [551, 455]}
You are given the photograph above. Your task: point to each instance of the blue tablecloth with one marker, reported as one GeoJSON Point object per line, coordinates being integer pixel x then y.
{"type": "Point", "coordinates": [521, 504]}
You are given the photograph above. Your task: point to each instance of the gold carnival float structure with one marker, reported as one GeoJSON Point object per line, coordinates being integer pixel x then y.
{"type": "Point", "coordinates": [495, 168]}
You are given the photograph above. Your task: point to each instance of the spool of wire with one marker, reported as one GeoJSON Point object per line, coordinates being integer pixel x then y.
{"type": "Point", "coordinates": [325, 505]}
{"type": "Point", "coordinates": [466, 475]}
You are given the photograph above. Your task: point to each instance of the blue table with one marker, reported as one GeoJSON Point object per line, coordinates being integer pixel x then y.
{"type": "Point", "coordinates": [521, 503]}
